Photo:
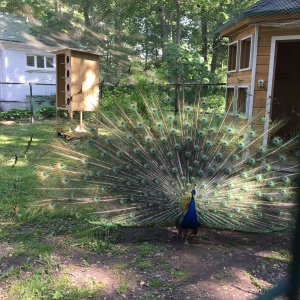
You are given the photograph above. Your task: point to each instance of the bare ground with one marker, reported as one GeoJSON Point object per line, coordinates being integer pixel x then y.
{"type": "Point", "coordinates": [216, 264]}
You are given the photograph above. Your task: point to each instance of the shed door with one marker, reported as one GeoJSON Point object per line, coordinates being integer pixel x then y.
{"type": "Point", "coordinates": [286, 86]}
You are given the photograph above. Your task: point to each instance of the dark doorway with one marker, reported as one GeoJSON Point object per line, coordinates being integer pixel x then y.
{"type": "Point", "coordinates": [286, 86]}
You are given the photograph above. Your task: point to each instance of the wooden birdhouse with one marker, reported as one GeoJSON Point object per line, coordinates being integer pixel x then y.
{"type": "Point", "coordinates": [77, 82]}
{"type": "Point", "coordinates": [263, 64]}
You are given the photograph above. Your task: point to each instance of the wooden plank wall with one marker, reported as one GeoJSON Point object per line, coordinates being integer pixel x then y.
{"type": "Point", "coordinates": [84, 81]}
{"type": "Point", "coordinates": [263, 61]}
{"type": "Point", "coordinates": [240, 78]}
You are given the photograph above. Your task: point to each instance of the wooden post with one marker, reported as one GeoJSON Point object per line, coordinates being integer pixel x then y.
{"type": "Point", "coordinates": [31, 105]}
{"type": "Point", "coordinates": [80, 121]}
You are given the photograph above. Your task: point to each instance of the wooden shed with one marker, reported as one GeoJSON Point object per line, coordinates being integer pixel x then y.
{"type": "Point", "coordinates": [77, 81]}
{"type": "Point", "coordinates": [264, 63]}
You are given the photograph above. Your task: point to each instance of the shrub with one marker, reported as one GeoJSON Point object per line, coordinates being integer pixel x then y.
{"type": "Point", "coordinates": [47, 112]}
{"type": "Point", "coordinates": [15, 113]}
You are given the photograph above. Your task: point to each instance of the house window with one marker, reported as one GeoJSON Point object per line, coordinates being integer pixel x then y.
{"type": "Point", "coordinates": [30, 61]}
{"type": "Point", "coordinates": [40, 61]}
{"type": "Point", "coordinates": [230, 95]}
{"type": "Point", "coordinates": [241, 103]}
{"type": "Point", "coordinates": [245, 53]}
{"type": "Point", "coordinates": [232, 56]}
{"type": "Point", "coordinates": [237, 100]}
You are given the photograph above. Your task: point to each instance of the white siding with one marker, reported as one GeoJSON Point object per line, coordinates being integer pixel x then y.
{"type": "Point", "coordinates": [14, 70]}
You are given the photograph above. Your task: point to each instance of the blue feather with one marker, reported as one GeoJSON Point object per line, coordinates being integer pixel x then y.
{"type": "Point", "coordinates": [190, 220]}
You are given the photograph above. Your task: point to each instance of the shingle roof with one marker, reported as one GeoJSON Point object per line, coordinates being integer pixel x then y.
{"type": "Point", "coordinates": [17, 29]}
{"type": "Point", "coordinates": [12, 28]}
{"type": "Point", "coordinates": [267, 8]}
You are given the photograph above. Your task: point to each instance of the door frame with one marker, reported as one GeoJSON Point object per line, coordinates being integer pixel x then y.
{"type": "Point", "coordinates": [271, 80]}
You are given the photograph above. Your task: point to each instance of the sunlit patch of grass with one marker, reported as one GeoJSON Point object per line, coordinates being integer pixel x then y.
{"type": "Point", "coordinates": [116, 267]}
{"type": "Point", "coordinates": [43, 285]}
{"type": "Point", "coordinates": [255, 283]}
{"type": "Point", "coordinates": [281, 255]}
{"type": "Point", "coordinates": [33, 249]}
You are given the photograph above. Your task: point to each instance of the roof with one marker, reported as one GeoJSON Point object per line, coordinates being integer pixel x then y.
{"type": "Point", "coordinates": [12, 28]}
{"type": "Point", "coordinates": [18, 31]}
{"type": "Point", "coordinates": [265, 8]}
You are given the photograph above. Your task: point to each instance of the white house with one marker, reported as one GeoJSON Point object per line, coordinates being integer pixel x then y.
{"type": "Point", "coordinates": [25, 62]}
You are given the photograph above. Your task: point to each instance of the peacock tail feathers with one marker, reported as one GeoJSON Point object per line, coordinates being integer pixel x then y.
{"type": "Point", "coordinates": [141, 166]}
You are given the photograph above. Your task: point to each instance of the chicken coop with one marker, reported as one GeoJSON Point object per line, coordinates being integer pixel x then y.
{"type": "Point", "coordinates": [77, 87]}
{"type": "Point", "coordinates": [263, 64]}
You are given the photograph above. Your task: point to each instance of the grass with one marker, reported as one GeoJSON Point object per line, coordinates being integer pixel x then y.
{"type": "Point", "coordinates": [144, 264]}
{"type": "Point", "coordinates": [156, 283]}
{"type": "Point", "coordinates": [223, 276]}
{"type": "Point", "coordinates": [28, 230]}
{"type": "Point", "coordinates": [146, 250]}
{"type": "Point", "coordinates": [122, 288]}
{"type": "Point", "coordinates": [256, 283]}
{"type": "Point", "coordinates": [179, 274]}
{"type": "Point", "coordinates": [281, 255]}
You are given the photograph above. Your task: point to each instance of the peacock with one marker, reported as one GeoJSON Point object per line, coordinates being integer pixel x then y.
{"type": "Point", "coordinates": [145, 164]}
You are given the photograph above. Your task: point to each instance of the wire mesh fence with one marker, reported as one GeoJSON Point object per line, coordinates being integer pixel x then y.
{"type": "Point", "coordinates": [158, 41]}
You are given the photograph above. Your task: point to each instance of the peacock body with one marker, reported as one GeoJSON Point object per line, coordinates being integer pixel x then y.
{"type": "Point", "coordinates": [143, 164]}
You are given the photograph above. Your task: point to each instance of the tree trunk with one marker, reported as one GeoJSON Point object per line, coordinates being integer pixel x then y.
{"type": "Point", "coordinates": [215, 50]}
{"type": "Point", "coordinates": [178, 24]}
{"type": "Point", "coordinates": [164, 31]}
{"type": "Point", "coordinates": [204, 35]}
{"type": "Point", "coordinates": [177, 41]}
{"type": "Point", "coordinates": [215, 54]}
{"type": "Point", "coordinates": [86, 17]}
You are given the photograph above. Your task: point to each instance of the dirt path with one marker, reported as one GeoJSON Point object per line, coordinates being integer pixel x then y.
{"type": "Point", "coordinates": [154, 263]}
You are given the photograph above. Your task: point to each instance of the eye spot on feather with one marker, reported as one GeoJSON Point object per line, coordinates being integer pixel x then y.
{"type": "Point", "coordinates": [204, 157]}
{"type": "Point", "coordinates": [174, 170]}
{"type": "Point", "coordinates": [261, 149]}
{"type": "Point", "coordinates": [153, 151]}
{"type": "Point", "coordinates": [251, 161]}
{"type": "Point", "coordinates": [170, 154]}
{"type": "Point", "coordinates": [201, 133]}
{"type": "Point", "coordinates": [219, 155]}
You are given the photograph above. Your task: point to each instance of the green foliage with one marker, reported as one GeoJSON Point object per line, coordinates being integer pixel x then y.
{"type": "Point", "coordinates": [185, 62]}
{"type": "Point", "coordinates": [122, 288]}
{"type": "Point", "coordinates": [47, 112]}
{"type": "Point", "coordinates": [15, 113]}
{"type": "Point", "coordinates": [122, 97]}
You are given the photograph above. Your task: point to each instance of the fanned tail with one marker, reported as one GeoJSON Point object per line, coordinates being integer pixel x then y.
{"type": "Point", "coordinates": [139, 168]}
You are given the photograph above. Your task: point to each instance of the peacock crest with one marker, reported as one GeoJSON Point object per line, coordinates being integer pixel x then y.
{"type": "Point", "coordinates": [140, 167]}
